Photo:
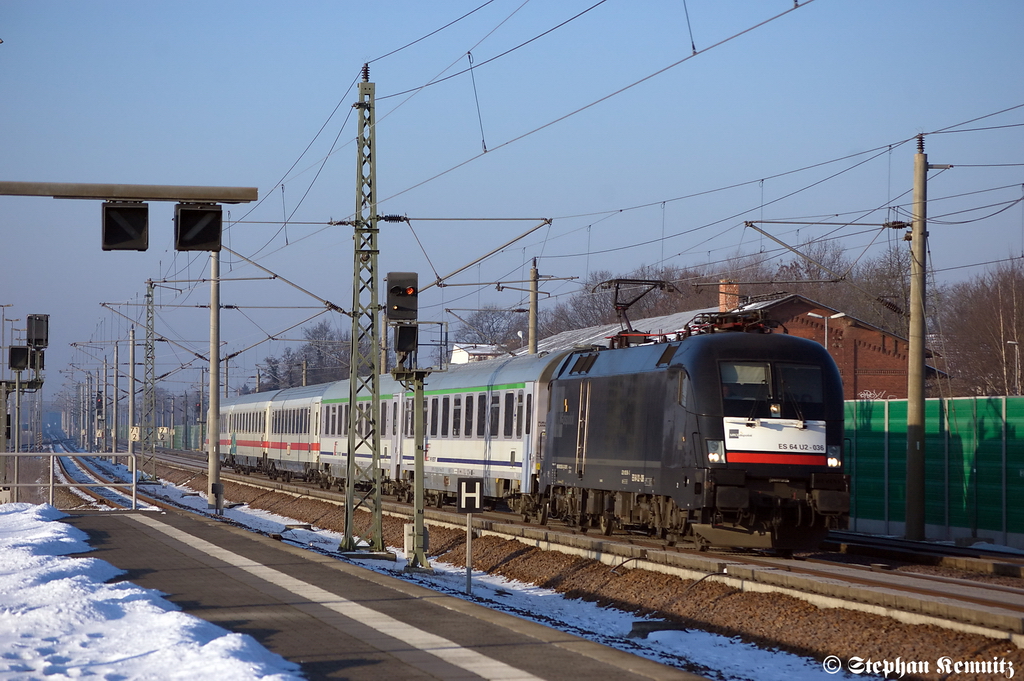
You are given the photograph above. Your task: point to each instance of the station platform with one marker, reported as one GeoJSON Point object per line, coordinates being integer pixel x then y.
{"type": "Point", "coordinates": [336, 619]}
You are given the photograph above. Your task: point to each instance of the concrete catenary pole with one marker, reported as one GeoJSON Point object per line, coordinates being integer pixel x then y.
{"type": "Point", "coordinates": [532, 347]}
{"type": "Point", "coordinates": [915, 516]}
{"type": "Point", "coordinates": [116, 416]}
{"type": "Point", "coordinates": [915, 360]}
{"type": "Point", "coordinates": [131, 395]}
{"type": "Point", "coordinates": [215, 491]}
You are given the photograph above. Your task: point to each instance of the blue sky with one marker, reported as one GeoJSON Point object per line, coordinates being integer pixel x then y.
{"type": "Point", "coordinates": [232, 93]}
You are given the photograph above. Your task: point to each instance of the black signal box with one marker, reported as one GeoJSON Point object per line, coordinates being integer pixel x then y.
{"type": "Point", "coordinates": [125, 226]}
{"type": "Point", "coordinates": [197, 227]}
{"type": "Point", "coordinates": [18, 357]}
{"type": "Point", "coordinates": [406, 338]}
{"type": "Point", "coordinates": [38, 330]}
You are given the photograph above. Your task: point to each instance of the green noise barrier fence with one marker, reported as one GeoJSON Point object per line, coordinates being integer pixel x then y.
{"type": "Point", "coordinates": [974, 467]}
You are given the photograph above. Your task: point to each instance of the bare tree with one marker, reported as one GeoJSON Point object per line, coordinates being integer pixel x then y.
{"type": "Point", "coordinates": [494, 325]}
{"type": "Point", "coordinates": [978, 323]}
{"type": "Point", "coordinates": [326, 353]}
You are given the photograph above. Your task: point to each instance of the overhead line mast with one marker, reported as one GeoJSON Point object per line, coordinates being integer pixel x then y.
{"type": "Point", "coordinates": [364, 363]}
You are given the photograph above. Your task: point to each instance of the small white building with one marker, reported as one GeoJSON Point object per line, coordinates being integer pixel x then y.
{"type": "Point", "coordinates": [465, 353]}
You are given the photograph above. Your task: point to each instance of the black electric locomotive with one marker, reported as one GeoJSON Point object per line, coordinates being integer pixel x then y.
{"type": "Point", "coordinates": [726, 437]}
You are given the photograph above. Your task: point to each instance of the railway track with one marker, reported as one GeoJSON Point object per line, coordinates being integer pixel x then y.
{"type": "Point", "coordinates": [825, 579]}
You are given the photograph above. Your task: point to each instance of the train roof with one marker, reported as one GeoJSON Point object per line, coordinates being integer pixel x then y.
{"type": "Point", "coordinates": [251, 398]}
{"type": "Point", "coordinates": [300, 392]}
{"type": "Point", "coordinates": [493, 372]}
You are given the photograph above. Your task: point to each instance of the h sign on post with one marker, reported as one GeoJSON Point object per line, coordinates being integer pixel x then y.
{"type": "Point", "coordinates": [471, 500]}
{"type": "Point", "coordinates": [471, 495]}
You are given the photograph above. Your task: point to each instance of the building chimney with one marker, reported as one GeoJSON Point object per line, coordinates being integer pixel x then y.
{"type": "Point", "coordinates": [728, 295]}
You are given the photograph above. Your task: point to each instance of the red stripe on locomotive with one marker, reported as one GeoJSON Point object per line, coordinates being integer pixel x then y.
{"type": "Point", "coordinates": [766, 457]}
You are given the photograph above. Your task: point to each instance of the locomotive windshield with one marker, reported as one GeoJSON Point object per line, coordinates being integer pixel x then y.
{"type": "Point", "coordinates": [772, 390]}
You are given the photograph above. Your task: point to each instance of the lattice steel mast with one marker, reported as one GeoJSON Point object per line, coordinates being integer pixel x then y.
{"type": "Point", "coordinates": [364, 363]}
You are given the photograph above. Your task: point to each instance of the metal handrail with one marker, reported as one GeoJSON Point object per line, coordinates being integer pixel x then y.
{"type": "Point", "coordinates": [133, 485]}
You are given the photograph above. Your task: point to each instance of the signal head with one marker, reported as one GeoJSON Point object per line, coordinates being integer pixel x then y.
{"type": "Point", "coordinates": [403, 296]}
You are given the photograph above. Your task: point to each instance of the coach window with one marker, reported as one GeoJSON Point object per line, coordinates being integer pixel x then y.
{"type": "Point", "coordinates": [469, 416]}
{"type": "Point", "coordinates": [510, 413]}
{"type": "Point", "coordinates": [519, 415]}
{"type": "Point", "coordinates": [446, 408]}
{"type": "Point", "coordinates": [481, 415]}
{"type": "Point", "coordinates": [384, 418]}
{"type": "Point", "coordinates": [495, 415]}
{"type": "Point", "coordinates": [457, 416]}
{"type": "Point", "coordinates": [433, 417]}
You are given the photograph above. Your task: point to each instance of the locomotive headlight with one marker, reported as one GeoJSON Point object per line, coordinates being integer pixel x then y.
{"type": "Point", "coordinates": [716, 451]}
{"type": "Point", "coordinates": [835, 459]}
